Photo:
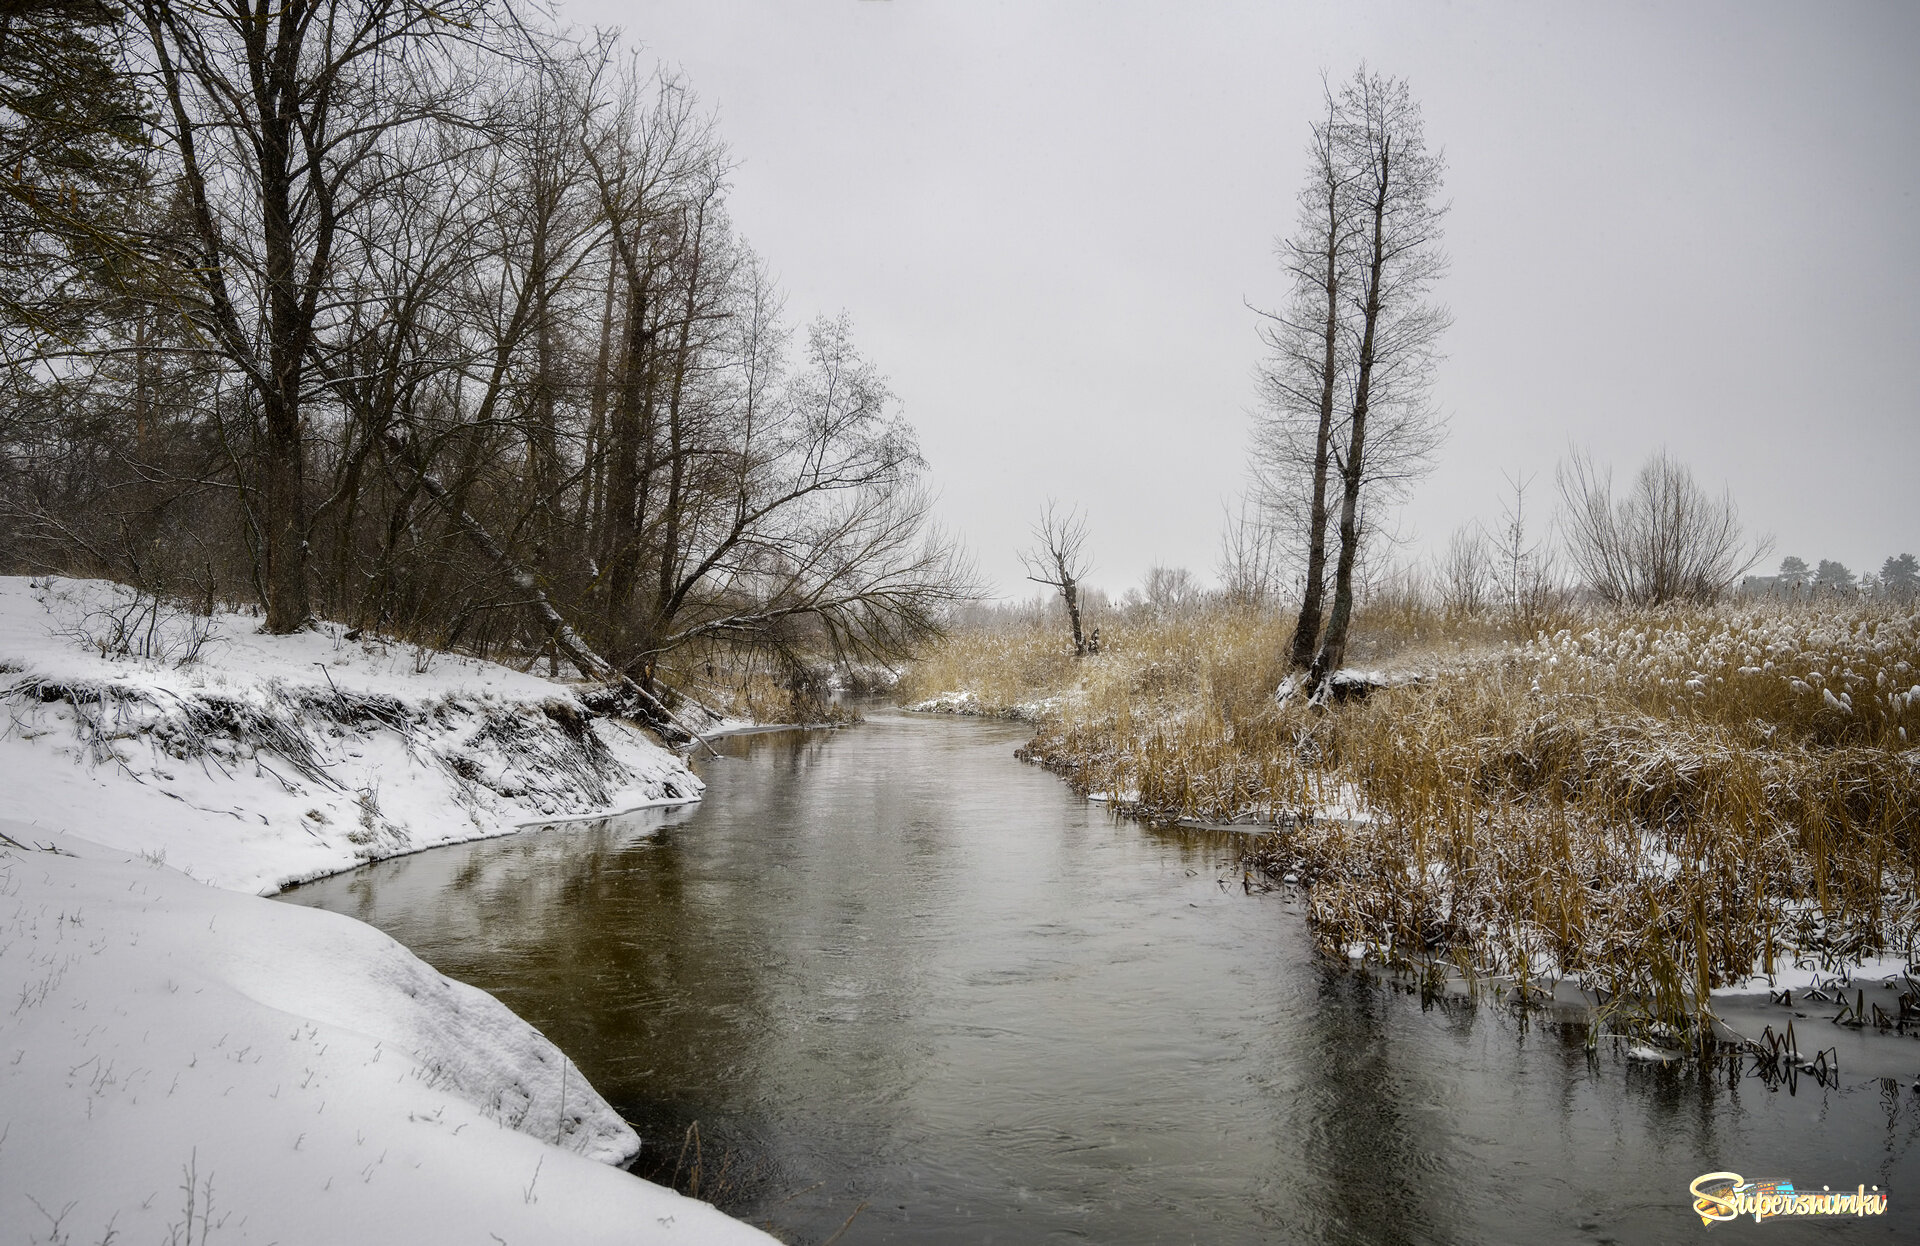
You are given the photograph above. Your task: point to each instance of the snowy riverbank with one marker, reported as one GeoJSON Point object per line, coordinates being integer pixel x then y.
{"type": "Point", "coordinates": [269, 760]}
{"type": "Point", "coordinates": [310, 1079]}
{"type": "Point", "coordinates": [182, 1061]}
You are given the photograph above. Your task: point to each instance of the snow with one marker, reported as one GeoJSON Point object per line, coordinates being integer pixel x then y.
{"type": "Point", "coordinates": [967, 704]}
{"type": "Point", "coordinates": [402, 750]}
{"type": "Point", "coordinates": [1345, 683]}
{"type": "Point", "coordinates": [312, 1079]}
{"type": "Point", "coordinates": [180, 1061]}
{"type": "Point", "coordinates": [1789, 976]}
{"type": "Point", "coordinates": [1653, 1055]}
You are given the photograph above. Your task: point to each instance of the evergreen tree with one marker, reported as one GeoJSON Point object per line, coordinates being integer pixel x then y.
{"type": "Point", "coordinates": [1900, 577]}
{"type": "Point", "coordinates": [1794, 573]}
{"type": "Point", "coordinates": [71, 134]}
{"type": "Point", "coordinates": [1833, 577]}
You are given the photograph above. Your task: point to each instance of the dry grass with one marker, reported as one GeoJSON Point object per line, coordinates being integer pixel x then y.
{"type": "Point", "coordinates": [1657, 803]}
{"type": "Point", "coordinates": [721, 683]}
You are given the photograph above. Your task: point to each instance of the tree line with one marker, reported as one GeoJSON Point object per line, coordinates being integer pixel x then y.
{"type": "Point", "coordinates": [1899, 579]}
{"type": "Point", "coordinates": [434, 321]}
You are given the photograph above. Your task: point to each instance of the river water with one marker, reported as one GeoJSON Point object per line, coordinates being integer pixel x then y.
{"type": "Point", "coordinates": [896, 975]}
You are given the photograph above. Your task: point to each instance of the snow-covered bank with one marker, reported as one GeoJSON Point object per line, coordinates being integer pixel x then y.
{"type": "Point", "coordinates": [268, 760]}
{"type": "Point", "coordinates": [967, 704]}
{"type": "Point", "coordinates": [179, 1062]}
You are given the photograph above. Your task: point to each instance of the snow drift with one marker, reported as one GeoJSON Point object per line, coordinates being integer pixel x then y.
{"type": "Point", "coordinates": [185, 1063]}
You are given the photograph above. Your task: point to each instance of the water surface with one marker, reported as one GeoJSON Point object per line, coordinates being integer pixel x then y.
{"type": "Point", "coordinates": [892, 969]}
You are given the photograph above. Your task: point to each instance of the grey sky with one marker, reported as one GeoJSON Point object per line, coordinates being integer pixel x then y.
{"type": "Point", "coordinates": [1693, 226]}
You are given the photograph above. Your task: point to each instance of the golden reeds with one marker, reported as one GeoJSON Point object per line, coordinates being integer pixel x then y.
{"type": "Point", "coordinates": [1655, 802]}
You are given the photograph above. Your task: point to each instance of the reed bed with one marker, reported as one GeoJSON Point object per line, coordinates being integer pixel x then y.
{"type": "Point", "coordinates": [1654, 803]}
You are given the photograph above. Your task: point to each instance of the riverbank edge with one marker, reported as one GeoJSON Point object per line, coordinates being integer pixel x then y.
{"type": "Point", "coordinates": [1746, 1014]}
{"type": "Point", "coordinates": [168, 1035]}
{"type": "Point", "coordinates": [1757, 1011]}
{"type": "Point", "coordinates": [98, 787]}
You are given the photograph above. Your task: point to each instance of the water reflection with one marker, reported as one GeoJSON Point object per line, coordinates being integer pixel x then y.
{"type": "Point", "coordinates": [892, 966]}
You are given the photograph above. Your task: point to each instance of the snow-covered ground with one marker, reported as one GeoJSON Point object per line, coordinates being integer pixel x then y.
{"type": "Point", "coordinates": [270, 760]}
{"type": "Point", "coordinates": [183, 1062]}
{"type": "Point", "coordinates": [307, 1077]}
{"type": "Point", "coordinates": [969, 705]}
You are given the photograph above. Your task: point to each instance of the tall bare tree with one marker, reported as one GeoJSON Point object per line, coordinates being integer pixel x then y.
{"type": "Point", "coordinates": [277, 123]}
{"type": "Point", "coordinates": [1390, 203]}
{"type": "Point", "coordinates": [649, 156]}
{"type": "Point", "coordinates": [1308, 357]}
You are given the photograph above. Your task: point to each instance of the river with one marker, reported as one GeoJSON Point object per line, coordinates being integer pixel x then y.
{"type": "Point", "coordinates": [895, 975]}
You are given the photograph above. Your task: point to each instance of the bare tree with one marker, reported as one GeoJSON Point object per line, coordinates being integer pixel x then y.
{"type": "Point", "coordinates": [1308, 355]}
{"type": "Point", "coordinates": [1249, 566]}
{"type": "Point", "coordinates": [276, 125]}
{"type": "Point", "coordinates": [1666, 540]}
{"type": "Point", "coordinates": [1170, 591]}
{"type": "Point", "coordinates": [1524, 568]}
{"type": "Point", "coordinates": [810, 509]}
{"type": "Point", "coordinates": [1394, 218]}
{"type": "Point", "coordinates": [1466, 572]}
{"type": "Point", "coordinates": [1059, 560]}
{"type": "Point", "coordinates": [659, 170]}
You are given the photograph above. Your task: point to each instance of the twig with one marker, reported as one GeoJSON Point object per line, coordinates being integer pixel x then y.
{"type": "Point", "coordinates": [845, 1226]}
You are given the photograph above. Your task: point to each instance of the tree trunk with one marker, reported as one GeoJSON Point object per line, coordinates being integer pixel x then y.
{"type": "Point", "coordinates": [592, 514]}
{"type": "Point", "coordinates": [1306, 631]}
{"type": "Point", "coordinates": [667, 598]}
{"type": "Point", "coordinates": [1333, 649]}
{"type": "Point", "coordinates": [627, 437]}
{"type": "Point", "coordinates": [282, 446]}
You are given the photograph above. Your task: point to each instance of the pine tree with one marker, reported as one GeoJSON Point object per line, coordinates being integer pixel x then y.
{"type": "Point", "coordinates": [1900, 577]}
{"type": "Point", "coordinates": [1794, 573]}
{"type": "Point", "coordinates": [1833, 577]}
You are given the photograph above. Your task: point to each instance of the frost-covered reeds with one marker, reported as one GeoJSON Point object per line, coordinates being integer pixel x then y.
{"type": "Point", "coordinates": [1656, 803]}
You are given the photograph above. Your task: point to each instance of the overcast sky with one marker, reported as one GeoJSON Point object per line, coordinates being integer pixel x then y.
{"type": "Point", "coordinates": [1692, 226]}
